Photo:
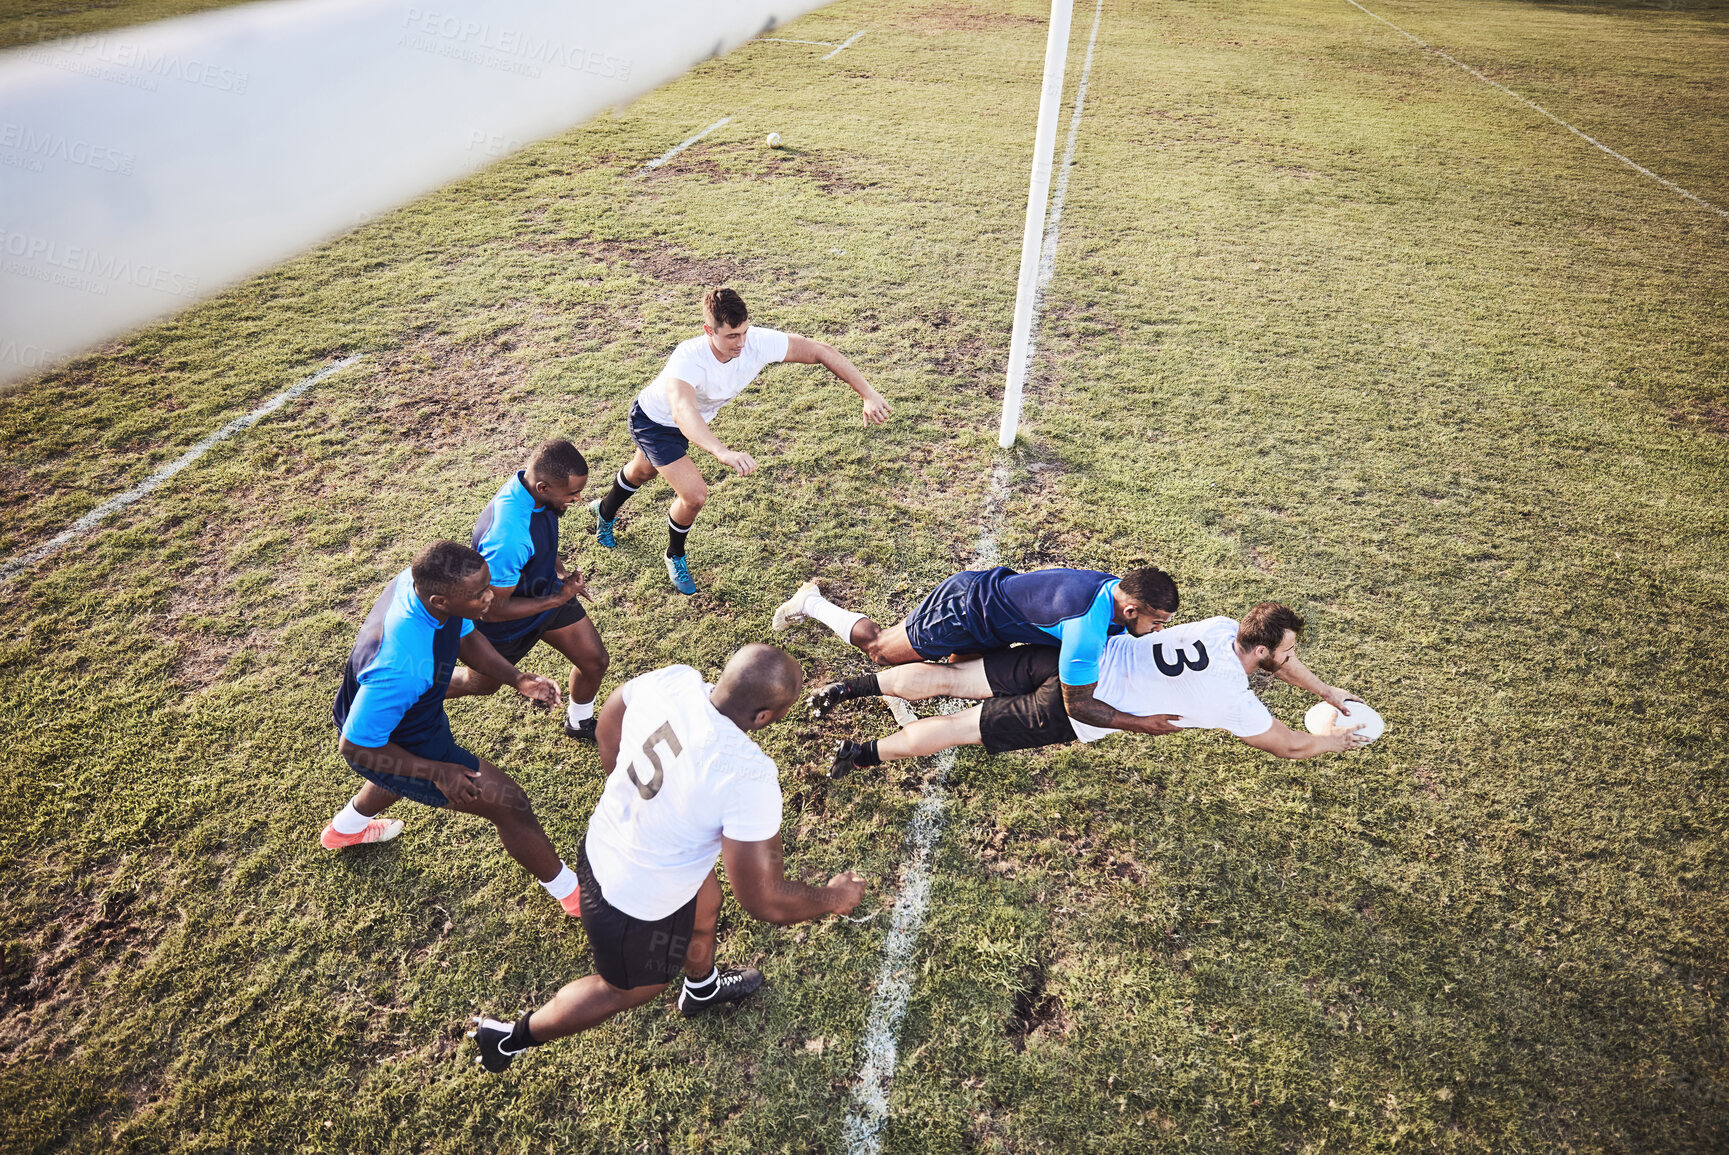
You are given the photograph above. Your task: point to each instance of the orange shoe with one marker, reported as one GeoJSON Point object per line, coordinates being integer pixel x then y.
{"type": "Point", "coordinates": [572, 903]}
{"type": "Point", "coordinates": [378, 830]}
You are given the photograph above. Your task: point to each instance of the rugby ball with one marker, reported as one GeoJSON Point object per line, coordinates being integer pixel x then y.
{"type": "Point", "coordinates": [1323, 719]}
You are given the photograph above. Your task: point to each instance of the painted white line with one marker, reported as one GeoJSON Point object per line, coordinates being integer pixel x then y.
{"type": "Point", "coordinates": [682, 145]}
{"type": "Point", "coordinates": [778, 40]}
{"type": "Point", "coordinates": [1670, 185]}
{"type": "Point", "coordinates": [845, 44]}
{"type": "Point", "coordinates": [1048, 250]}
{"type": "Point", "coordinates": [90, 520]}
{"type": "Point", "coordinates": [893, 990]}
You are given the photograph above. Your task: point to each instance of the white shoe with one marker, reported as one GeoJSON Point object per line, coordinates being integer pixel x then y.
{"type": "Point", "coordinates": [791, 611]}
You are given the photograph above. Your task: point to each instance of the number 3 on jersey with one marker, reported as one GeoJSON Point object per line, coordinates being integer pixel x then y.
{"type": "Point", "coordinates": [662, 735]}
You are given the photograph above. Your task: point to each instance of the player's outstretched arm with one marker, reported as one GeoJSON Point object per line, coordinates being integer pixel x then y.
{"type": "Point", "coordinates": [1283, 742]}
{"type": "Point", "coordinates": [804, 351]}
{"type": "Point", "coordinates": [479, 655]}
{"type": "Point", "coordinates": [757, 871]}
{"type": "Point", "coordinates": [1081, 706]}
{"type": "Point", "coordinates": [507, 607]}
{"type": "Point", "coordinates": [682, 398]}
{"type": "Point", "coordinates": [1296, 674]}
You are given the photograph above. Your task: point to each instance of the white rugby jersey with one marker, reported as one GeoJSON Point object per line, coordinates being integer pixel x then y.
{"type": "Point", "coordinates": [685, 776]}
{"type": "Point", "coordinates": [715, 382]}
{"type": "Point", "coordinates": [1191, 669]}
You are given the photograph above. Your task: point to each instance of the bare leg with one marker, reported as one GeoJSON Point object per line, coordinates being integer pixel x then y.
{"type": "Point", "coordinates": [932, 735]}
{"type": "Point", "coordinates": [580, 642]}
{"type": "Point", "coordinates": [585, 1003]}
{"type": "Point", "coordinates": [373, 800]}
{"type": "Point", "coordinates": [505, 804]}
{"type": "Point", "coordinates": [686, 481]}
{"type": "Point", "coordinates": [639, 470]}
{"type": "Point", "coordinates": [699, 956]}
{"type": "Point", "coordinates": [884, 646]}
{"type": "Point", "coordinates": [917, 681]}
{"type": "Point", "coordinates": [466, 682]}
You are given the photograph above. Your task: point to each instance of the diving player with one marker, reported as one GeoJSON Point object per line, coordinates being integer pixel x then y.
{"type": "Point", "coordinates": [977, 611]}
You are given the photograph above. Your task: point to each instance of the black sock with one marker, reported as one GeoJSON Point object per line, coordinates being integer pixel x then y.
{"type": "Point", "coordinates": [863, 686]}
{"type": "Point", "coordinates": [520, 1036]}
{"type": "Point", "coordinates": [867, 755]}
{"type": "Point", "coordinates": [675, 535]}
{"type": "Point", "coordinates": [616, 496]}
{"type": "Point", "coordinates": [706, 987]}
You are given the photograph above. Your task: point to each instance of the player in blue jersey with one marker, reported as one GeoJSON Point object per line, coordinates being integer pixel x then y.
{"type": "Point", "coordinates": [980, 611]}
{"type": "Point", "coordinates": [534, 598]}
{"type": "Point", "coordinates": [390, 711]}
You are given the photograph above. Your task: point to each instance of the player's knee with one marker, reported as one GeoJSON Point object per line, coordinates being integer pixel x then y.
{"type": "Point", "coordinates": [696, 498]}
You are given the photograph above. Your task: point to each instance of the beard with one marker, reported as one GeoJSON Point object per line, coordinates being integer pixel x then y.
{"type": "Point", "coordinates": [1270, 664]}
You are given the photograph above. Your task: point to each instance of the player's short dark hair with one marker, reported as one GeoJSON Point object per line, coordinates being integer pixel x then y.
{"type": "Point", "coordinates": [1265, 625]}
{"type": "Point", "coordinates": [1152, 587]}
{"type": "Point", "coordinates": [558, 459]}
{"type": "Point", "coordinates": [724, 308]}
{"type": "Point", "coordinates": [443, 566]}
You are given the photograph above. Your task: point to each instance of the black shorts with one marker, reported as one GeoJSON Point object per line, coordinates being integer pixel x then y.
{"type": "Point", "coordinates": [629, 952]}
{"type": "Point", "coordinates": [1025, 709]}
{"type": "Point", "coordinates": [517, 649]}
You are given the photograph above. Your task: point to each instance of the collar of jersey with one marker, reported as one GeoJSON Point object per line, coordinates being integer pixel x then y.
{"type": "Point", "coordinates": [411, 603]}
{"type": "Point", "coordinates": [523, 482]}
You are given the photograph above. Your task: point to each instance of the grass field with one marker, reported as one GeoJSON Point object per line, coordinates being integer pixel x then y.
{"type": "Point", "coordinates": [1332, 322]}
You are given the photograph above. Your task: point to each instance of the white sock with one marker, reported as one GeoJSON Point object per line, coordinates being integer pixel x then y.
{"type": "Point", "coordinates": [348, 820]}
{"type": "Point", "coordinates": [579, 711]}
{"type": "Point", "coordinates": [839, 620]}
{"type": "Point", "coordinates": [561, 886]}
{"type": "Point", "coordinates": [714, 973]}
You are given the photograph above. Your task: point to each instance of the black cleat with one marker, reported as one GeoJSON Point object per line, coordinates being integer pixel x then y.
{"type": "Point", "coordinates": [824, 699]}
{"type": "Point", "coordinates": [490, 1035]}
{"type": "Point", "coordinates": [729, 987]}
{"type": "Point", "coordinates": [583, 731]}
{"type": "Point", "coordinates": [845, 758]}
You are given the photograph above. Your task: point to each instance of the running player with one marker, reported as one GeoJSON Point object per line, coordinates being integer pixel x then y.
{"type": "Point", "coordinates": [533, 596]}
{"type": "Point", "coordinates": [685, 783]}
{"type": "Point", "coordinates": [703, 374]}
{"type": "Point", "coordinates": [977, 611]}
{"type": "Point", "coordinates": [390, 711]}
{"type": "Point", "coordinates": [1195, 676]}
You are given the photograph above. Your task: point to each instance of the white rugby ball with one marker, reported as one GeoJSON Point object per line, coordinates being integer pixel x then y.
{"type": "Point", "coordinates": [1323, 719]}
{"type": "Point", "coordinates": [773, 140]}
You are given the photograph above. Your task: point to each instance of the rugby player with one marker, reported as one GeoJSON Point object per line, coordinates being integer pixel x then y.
{"type": "Point", "coordinates": [685, 783]}
{"type": "Point", "coordinates": [674, 411]}
{"type": "Point", "coordinates": [390, 711]}
{"type": "Point", "coordinates": [534, 598]}
{"type": "Point", "coordinates": [978, 611]}
{"type": "Point", "coordinates": [1196, 675]}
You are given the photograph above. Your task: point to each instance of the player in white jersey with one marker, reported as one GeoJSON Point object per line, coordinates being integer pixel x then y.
{"type": "Point", "coordinates": [1195, 676]}
{"type": "Point", "coordinates": [703, 374]}
{"type": "Point", "coordinates": [685, 783]}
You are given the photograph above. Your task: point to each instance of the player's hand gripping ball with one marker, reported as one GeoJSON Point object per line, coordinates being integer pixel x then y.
{"type": "Point", "coordinates": [1323, 719]}
{"type": "Point", "coordinates": [773, 140]}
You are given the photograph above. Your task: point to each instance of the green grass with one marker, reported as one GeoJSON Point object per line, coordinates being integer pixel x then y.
{"type": "Point", "coordinates": [25, 22]}
{"type": "Point", "coordinates": [1333, 323]}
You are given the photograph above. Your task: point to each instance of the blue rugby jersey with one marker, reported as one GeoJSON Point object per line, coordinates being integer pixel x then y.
{"type": "Point", "coordinates": [519, 540]}
{"type": "Point", "coordinates": [393, 685]}
{"type": "Point", "coordinates": [1072, 606]}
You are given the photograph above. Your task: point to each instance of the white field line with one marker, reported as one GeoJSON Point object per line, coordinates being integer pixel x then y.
{"type": "Point", "coordinates": [893, 990]}
{"type": "Point", "coordinates": [90, 520]}
{"type": "Point", "coordinates": [681, 146]}
{"type": "Point", "coordinates": [1048, 250]}
{"type": "Point", "coordinates": [1670, 185]}
{"type": "Point", "coordinates": [845, 44]}
{"type": "Point", "coordinates": [778, 40]}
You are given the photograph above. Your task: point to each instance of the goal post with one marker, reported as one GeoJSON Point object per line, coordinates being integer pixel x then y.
{"type": "Point", "coordinates": [1032, 237]}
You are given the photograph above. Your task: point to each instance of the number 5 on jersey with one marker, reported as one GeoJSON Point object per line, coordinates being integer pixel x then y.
{"type": "Point", "coordinates": [662, 735]}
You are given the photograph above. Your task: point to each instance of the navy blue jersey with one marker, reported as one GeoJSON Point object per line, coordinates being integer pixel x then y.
{"type": "Point", "coordinates": [519, 540]}
{"type": "Point", "coordinates": [393, 685]}
{"type": "Point", "coordinates": [1072, 606]}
